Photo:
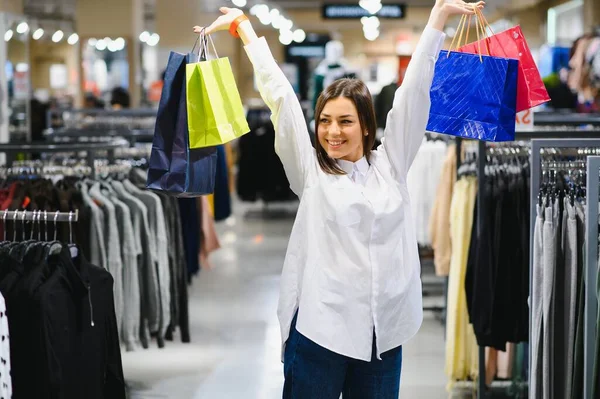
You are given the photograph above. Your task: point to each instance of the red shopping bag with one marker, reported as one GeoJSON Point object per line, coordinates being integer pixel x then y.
{"type": "Point", "coordinates": [511, 43]}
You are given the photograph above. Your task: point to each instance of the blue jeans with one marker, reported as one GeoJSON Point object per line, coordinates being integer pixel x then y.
{"type": "Point", "coordinates": [313, 372]}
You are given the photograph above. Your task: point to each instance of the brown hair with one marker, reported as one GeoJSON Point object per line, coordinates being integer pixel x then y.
{"type": "Point", "coordinates": [356, 91]}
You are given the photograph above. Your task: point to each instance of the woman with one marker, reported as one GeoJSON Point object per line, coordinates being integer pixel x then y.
{"type": "Point", "coordinates": [350, 290]}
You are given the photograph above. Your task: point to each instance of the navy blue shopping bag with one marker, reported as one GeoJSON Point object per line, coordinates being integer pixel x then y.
{"type": "Point", "coordinates": [174, 167]}
{"type": "Point", "coordinates": [474, 97]}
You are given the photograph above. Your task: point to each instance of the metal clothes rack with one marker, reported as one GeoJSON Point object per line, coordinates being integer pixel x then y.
{"type": "Point", "coordinates": [540, 135]}
{"type": "Point", "coordinates": [39, 216]}
{"type": "Point", "coordinates": [97, 112]}
{"type": "Point", "coordinates": [536, 170]}
{"type": "Point", "coordinates": [132, 136]}
{"type": "Point", "coordinates": [91, 149]}
{"type": "Point", "coordinates": [111, 123]}
{"type": "Point", "coordinates": [591, 273]}
{"type": "Point", "coordinates": [561, 118]}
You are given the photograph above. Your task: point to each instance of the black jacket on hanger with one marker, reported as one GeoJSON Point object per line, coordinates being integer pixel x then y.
{"type": "Point", "coordinates": [63, 329]}
{"type": "Point", "coordinates": [260, 173]}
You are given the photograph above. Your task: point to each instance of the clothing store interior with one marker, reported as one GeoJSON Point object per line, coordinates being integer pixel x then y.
{"type": "Point", "coordinates": [141, 187]}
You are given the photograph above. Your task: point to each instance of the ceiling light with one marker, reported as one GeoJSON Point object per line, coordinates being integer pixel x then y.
{"type": "Point", "coordinates": [285, 39]}
{"type": "Point", "coordinates": [254, 9]}
{"type": "Point", "coordinates": [286, 24]}
{"type": "Point", "coordinates": [265, 19]}
{"type": "Point", "coordinates": [73, 38]}
{"type": "Point", "coordinates": [112, 46]}
{"type": "Point", "coordinates": [37, 34]}
{"type": "Point", "coordinates": [144, 36]}
{"type": "Point", "coordinates": [240, 3]}
{"type": "Point", "coordinates": [276, 21]}
{"type": "Point", "coordinates": [101, 45]}
{"type": "Point", "coordinates": [372, 35]}
{"type": "Point", "coordinates": [58, 36]}
{"type": "Point", "coordinates": [153, 40]}
{"type": "Point", "coordinates": [262, 11]}
{"type": "Point", "coordinates": [22, 67]}
{"type": "Point", "coordinates": [274, 13]}
{"type": "Point", "coordinates": [299, 35]}
{"type": "Point", "coordinates": [120, 42]}
{"type": "Point", "coordinates": [372, 6]}
{"type": "Point", "coordinates": [8, 35]}
{"type": "Point", "coordinates": [23, 27]}
{"type": "Point", "coordinates": [370, 22]}
{"type": "Point", "coordinates": [92, 42]}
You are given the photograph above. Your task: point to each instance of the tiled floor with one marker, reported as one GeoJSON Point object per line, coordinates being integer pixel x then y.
{"type": "Point", "coordinates": [235, 349]}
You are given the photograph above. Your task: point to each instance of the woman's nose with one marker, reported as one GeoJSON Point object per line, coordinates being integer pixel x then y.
{"type": "Point", "coordinates": [334, 128]}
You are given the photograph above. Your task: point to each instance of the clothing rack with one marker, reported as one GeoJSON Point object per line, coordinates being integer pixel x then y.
{"type": "Point", "coordinates": [132, 136]}
{"type": "Point", "coordinates": [591, 243]}
{"type": "Point", "coordinates": [540, 136]}
{"type": "Point", "coordinates": [38, 216]}
{"type": "Point", "coordinates": [568, 119]}
{"type": "Point", "coordinates": [591, 273]}
{"type": "Point", "coordinates": [134, 125]}
{"type": "Point", "coordinates": [97, 112]}
{"type": "Point", "coordinates": [11, 150]}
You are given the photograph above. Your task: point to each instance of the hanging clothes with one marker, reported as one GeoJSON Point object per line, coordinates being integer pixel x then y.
{"type": "Point", "coordinates": [134, 234]}
{"type": "Point", "coordinates": [6, 390]}
{"type": "Point", "coordinates": [222, 196]}
{"type": "Point", "coordinates": [461, 345]}
{"type": "Point", "coordinates": [497, 283]}
{"type": "Point", "coordinates": [439, 221]}
{"type": "Point", "coordinates": [260, 172]}
{"type": "Point", "coordinates": [209, 239]}
{"type": "Point", "coordinates": [422, 182]}
{"type": "Point", "coordinates": [189, 217]}
{"type": "Point", "coordinates": [558, 293]}
{"type": "Point", "coordinates": [63, 328]}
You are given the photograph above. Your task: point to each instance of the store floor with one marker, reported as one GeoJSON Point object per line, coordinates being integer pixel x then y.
{"type": "Point", "coordinates": [235, 349]}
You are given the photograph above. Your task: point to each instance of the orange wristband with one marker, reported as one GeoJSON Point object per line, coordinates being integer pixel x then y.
{"type": "Point", "coordinates": [235, 24]}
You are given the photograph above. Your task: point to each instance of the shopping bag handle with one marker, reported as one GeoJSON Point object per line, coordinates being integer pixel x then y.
{"type": "Point", "coordinates": [479, 29]}
{"type": "Point", "coordinates": [204, 45]}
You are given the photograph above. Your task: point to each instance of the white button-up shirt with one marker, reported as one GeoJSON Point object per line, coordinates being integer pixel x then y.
{"type": "Point", "coordinates": [356, 171]}
{"type": "Point", "coordinates": [352, 265]}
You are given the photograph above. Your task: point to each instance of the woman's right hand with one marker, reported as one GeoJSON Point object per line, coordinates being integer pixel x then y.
{"type": "Point", "coordinates": [223, 22]}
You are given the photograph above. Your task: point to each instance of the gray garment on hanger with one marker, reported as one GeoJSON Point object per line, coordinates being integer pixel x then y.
{"type": "Point", "coordinates": [549, 264]}
{"type": "Point", "coordinates": [535, 388]}
{"type": "Point", "coordinates": [571, 282]}
{"type": "Point", "coordinates": [156, 217]}
{"type": "Point", "coordinates": [149, 289]}
{"type": "Point", "coordinates": [112, 239]}
{"type": "Point", "coordinates": [97, 245]}
{"type": "Point", "coordinates": [131, 283]}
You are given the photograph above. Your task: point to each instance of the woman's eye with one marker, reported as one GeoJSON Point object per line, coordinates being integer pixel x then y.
{"type": "Point", "coordinates": [346, 121]}
{"type": "Point", "coordinates": [323, 121]}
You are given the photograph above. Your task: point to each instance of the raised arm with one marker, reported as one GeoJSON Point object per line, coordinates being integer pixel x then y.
{"type": "Point", "coordinates": [408, 118]}
{"type": "Point", "coordinates": [292, 142]}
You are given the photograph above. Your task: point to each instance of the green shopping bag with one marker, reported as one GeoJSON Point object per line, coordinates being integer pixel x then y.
{"type": "Point", "coordinates": [214, 107]}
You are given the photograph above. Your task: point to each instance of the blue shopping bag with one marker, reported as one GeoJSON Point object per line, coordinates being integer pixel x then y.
{"type": "Point", "coordinates": [474, 97]}
{"type": "Point", "coordinates": [174, 167]}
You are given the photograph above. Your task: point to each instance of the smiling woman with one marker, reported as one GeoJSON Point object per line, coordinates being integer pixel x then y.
{"type": "Point", "coordinates": [346, 124]}
{"type": "Point", "coordinates": [350, 292]}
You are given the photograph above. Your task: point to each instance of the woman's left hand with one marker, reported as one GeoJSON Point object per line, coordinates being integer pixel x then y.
{"type": "Point", "coordinates": [446, 8]}
{"type": "Point", "coordinates": [457, 7]}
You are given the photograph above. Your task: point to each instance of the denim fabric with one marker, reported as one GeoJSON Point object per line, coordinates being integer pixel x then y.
{"type": "Point", "coordinates": [314, 372]}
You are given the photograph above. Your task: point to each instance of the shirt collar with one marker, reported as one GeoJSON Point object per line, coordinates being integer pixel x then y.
{"type": "Point", "coordinates": [362, 166]}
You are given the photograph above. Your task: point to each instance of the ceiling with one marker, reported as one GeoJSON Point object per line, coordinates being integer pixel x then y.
{"type": "Point", "coordinates": [213, 5]}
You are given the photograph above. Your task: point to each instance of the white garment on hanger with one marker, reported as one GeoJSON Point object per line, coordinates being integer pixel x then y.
{"type": "Point", "coordinates": [422, 181]}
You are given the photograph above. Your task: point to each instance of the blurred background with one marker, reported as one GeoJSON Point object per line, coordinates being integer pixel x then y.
{"type": "Point", "coordinates": [90, 73]}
